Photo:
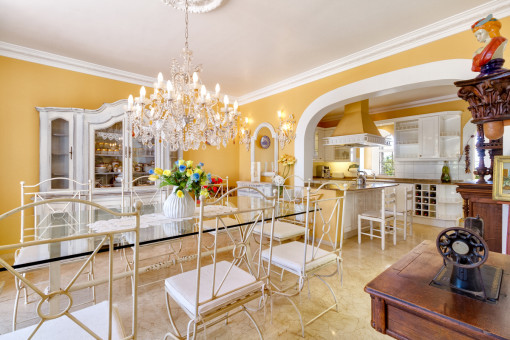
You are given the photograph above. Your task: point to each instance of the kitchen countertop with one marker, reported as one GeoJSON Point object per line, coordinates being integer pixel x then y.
{"type": "Point", "coordinates": [355, 187]}
{"type": "Point", "coordinates": [390, 180]}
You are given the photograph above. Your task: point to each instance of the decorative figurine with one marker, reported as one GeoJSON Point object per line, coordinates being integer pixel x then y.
{"type": "Point", "coordinates": [489, 58]}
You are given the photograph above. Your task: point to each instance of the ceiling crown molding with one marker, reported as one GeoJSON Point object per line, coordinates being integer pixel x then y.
{"type": "Point", "coordinates": [55, 60]}
{"type": "Point", "coordinates": [441, 29]}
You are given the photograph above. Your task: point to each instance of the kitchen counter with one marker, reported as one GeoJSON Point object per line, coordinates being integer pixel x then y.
{"type": "Point", "coordinates": [352, 186]}
{"type": "Point", "coordinates": [389, 180]}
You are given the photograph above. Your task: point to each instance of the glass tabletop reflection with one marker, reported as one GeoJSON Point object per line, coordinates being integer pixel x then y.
{"type": "Point", "coordinates": [235, 212]}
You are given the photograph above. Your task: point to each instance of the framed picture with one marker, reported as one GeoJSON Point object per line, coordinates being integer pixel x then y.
{"type": "Point", "coordinates": [501, 183]}
{"type": "Point", "coordinates": [265, 142]}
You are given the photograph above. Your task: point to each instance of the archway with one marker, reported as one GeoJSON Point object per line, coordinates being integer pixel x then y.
{"type": "Point", "coordinates": [437, 73]}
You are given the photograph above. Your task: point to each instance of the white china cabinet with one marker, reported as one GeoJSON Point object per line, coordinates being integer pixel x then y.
{"type": "Point", "coordinates": [97, 145]}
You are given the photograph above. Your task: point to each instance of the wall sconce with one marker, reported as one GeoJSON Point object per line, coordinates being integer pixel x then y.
{"type": "Point", "coordinates": [285, 129]}
{"type": "Point", "coordinates": [245, 134]}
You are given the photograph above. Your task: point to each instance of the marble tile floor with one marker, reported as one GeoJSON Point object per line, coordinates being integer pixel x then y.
{"type": "Point", "coordinates": [361, 263]}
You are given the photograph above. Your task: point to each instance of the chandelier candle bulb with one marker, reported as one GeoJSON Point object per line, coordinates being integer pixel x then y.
{"type": "Point", "coordinates": [203, 93]}
{"type": "Point", "coordinates": [195, 80]}
{"type": "Point", "coordinates": [160, 79]}
{"type": "Point", "coordinates": [130, 102]}
{"type": "Point", "coordinates": [236, 105]}
{"type": "Point", "coordinates": [217, 90]}
{"type": "Point", "coordinates": [142, 92]}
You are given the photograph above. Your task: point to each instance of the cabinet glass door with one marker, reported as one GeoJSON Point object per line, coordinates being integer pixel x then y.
{"type": "Point", "coordinates": [108, 156]}
{"type": "Point", "coordinates": [61, 153]}
{"type": "Point", "coordinates": [144, 159]}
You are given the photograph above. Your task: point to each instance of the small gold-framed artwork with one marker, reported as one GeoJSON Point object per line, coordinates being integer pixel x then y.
{"type": "Point", "coordinates": [501, 183]}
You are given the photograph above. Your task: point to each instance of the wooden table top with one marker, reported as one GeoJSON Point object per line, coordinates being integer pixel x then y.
{"type": "Point", "coordinates": [406, 284]}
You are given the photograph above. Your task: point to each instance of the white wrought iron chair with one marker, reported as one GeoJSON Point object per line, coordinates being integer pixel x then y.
{"type": "Point", "coordinates": [151, 197]}
{"type": "Point", "coordinates": [321, 248]}
{"type": "Point", "coordinates": [41, 225]}
{"type": "Point", "coordinates": [405, 209]}
{"type": "Point", "coordinates": [289, 197]}
{"type": "Point", "coordinates": [221, 286]}
{"type": "Point", "coordinates": [100, 320]}
{"type": "Point", "coordinates": [218, 189]}
{"type": "Point", "coordinates": [386, 216]}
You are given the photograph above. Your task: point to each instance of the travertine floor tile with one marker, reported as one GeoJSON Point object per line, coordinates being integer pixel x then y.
{"type": "Point", "coordinates": [361, 263]}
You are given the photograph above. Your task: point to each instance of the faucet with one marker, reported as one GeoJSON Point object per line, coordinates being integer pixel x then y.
{"type": "Point", "coordinates": [362, 178]}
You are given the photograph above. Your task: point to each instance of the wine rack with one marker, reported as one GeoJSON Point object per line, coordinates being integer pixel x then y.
{"type": "Point", "coordinates": [425, 200]}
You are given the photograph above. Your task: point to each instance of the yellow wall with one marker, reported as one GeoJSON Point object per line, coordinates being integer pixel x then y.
{"type": "Point", "coordinates": [296, 100]}
{"type": "Point", "coordinates": [223, 162]}
{"type": "Point", "coordinates": [23, 86]}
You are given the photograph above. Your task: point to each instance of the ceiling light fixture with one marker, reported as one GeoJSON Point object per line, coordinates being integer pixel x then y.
{"type": "Point", "coordinates": [286, 129]}
{"type": "Point", "coordinates": [245, 134]}
{"type": "Point", "coordinates": [181, 113]}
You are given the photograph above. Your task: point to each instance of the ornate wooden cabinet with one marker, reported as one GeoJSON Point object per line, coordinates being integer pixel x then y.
{"type": "Point", "coordinates": [478, 202]}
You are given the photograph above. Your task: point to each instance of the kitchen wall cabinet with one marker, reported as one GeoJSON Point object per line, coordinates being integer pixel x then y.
{"type": "Point", "coordinates": [329, 153]}
{"type": "Point", "coordinates": [428, 137]}
{"type": "Point", "coordinates": [97, 145]}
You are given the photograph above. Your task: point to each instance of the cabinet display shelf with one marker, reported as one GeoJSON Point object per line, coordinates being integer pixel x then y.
{"type": "Point", "coordinates": [108, 173]}
{"type": "Point", "coordinates": [152, 156]}
{"type": "Point", "coordinates": [60, 153]}
{"type": "Point", "coordinates": [141, 172]}
{"type": "Point", "coordinates": [60, 134]}
{"type": "Point", "coordinates": [406, 129]}
{"type": "Point", "coordinates": [109, 155]}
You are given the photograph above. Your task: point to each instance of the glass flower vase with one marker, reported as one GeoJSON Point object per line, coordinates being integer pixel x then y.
{"type": "Point", "coordinates": [179, 207]}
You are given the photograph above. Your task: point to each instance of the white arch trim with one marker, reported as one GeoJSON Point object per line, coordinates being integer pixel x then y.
{"type": "Point", "coordinates": [275, 147]}
{"type": "Point", "coordinates": [443, 72]}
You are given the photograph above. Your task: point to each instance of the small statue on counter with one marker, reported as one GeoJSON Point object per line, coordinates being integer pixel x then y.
{"type": "Point", "coordinates": [489, 58]}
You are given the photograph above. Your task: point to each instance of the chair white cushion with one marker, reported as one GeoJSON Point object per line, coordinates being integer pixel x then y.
{"type": "Point", "coordinates": [238, 284]}
{"type": "Point", "coordinates": [94, 317]}
{"type": "Point", "coordinates": [282, 230]}
{"type": "Point", "coordinates": [32, 254]}
{"type": "Point", "coordinates": [376, 214]}
{"type": "Point", "coordinates": [289, 256]}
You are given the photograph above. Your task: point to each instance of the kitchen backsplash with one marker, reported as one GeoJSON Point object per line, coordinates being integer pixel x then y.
{"type": "Point", "coordinates": [430, 170]}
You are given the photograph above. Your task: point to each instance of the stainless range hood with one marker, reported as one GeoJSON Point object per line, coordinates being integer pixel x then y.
{"type": "Point", "coordinates": [356, 129]}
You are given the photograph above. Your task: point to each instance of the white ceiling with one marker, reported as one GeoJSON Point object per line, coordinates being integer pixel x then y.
{"type": "Point", "coordinates": [244, 45]}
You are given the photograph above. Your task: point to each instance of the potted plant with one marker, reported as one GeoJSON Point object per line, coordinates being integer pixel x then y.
{"type": "Point", "coordinates": [185, 178]}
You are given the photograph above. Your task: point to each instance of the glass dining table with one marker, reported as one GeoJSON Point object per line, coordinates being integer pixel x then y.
{"type": "Point", "coordinates": [154, 228]}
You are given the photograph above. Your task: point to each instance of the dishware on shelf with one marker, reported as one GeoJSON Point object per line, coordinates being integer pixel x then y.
{"type": "Point", "coordinates": [101, 169]}
{"type": "Point", "coordinates": [146, 168]}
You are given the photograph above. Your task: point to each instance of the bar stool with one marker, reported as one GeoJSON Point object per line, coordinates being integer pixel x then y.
{"type": "Point", "coordinates": [405, 209]}
{"type": "Point", "coordinates": [386, 216]}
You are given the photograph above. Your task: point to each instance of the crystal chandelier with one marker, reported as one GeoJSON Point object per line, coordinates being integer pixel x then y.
{"type": "Point", "coordinates": [181, 113]}
{"type": "Point", "coordinates": [245, 134]}
{"type": "Point", "coordinates": [285, 129]}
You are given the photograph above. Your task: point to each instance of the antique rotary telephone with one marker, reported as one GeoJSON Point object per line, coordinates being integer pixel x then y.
{"type": "Point", "coordinates": [464, 253]}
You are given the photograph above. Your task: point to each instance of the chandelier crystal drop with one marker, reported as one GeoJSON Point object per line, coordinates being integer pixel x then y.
{"type": "Point", "coordinates": [285, 131]}
{"type": "Point", "coordinates": [245, 134]}
{"type": "Point", "coordinates": [181, 113]}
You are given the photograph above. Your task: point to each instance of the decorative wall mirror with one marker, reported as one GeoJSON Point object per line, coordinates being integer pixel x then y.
{"type": "Point", "coordinates": [264, 149]}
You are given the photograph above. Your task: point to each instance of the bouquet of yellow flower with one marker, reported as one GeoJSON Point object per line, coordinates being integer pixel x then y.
{"type": "Point", "coordinates": [288, 161]}
{"type": "Point", "coordinates": [184, 177]}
